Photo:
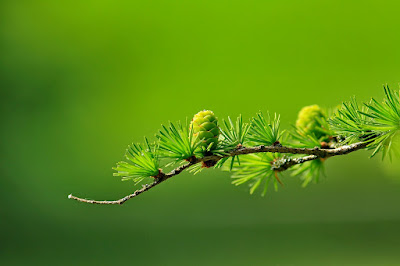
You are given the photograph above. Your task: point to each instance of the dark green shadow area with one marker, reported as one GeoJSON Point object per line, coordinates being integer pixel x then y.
{"type": "Point", "coordinates": [372, 243]}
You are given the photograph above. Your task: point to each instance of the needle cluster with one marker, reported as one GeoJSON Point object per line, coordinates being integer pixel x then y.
{"type": "Point", "coordinates": [258, 152]}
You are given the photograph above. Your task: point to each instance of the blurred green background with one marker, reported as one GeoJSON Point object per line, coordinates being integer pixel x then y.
{"type": "Point", "coordinates": [80, 80]}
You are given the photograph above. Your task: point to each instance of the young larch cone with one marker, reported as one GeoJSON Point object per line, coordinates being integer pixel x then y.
{"type": "Point", "coordinates": [307, 121]}
{"type": "Point", "coordinates": [205, 128]}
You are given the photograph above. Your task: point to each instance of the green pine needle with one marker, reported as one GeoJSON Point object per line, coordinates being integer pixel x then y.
{"type": "Point", "coordinates": [177, 142]}
{"type": "Point", "coordinates": [301, 139]}
{"type": "Point", "coordinates": [385, 122]}
{"type": "Point", "coordinates": [255, 170]}
{"type": "Point", "coordinates": [264, 131]}
{"type": "Point", "coordinates": [352, 122]}
{"type": "Point", "coordinates": [142, 162]}
{"type": "Point", "coordinates": [232, 136]}
{"type": "Point", "coordinates": [377, 123]}
{"type": "Point", "coordinates": [309, 171]}
{"type": "Point", "coordinates": [234, 133]}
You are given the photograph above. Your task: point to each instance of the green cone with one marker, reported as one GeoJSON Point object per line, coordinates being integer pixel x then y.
{"type": "Point", "coordinates": [205, 127]}
{"type": "Point", "coordinates": [307, 120]}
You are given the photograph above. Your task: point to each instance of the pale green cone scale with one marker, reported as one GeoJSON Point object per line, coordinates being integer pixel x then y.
{"type": "Point", "coordinates": [205, 128]}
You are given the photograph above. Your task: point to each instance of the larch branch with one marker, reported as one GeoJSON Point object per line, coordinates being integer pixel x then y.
{"type": "Point", "coordinates": [312, 154]}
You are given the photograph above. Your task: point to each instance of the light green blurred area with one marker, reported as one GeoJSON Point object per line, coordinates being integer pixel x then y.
{"type": "Point", "coordinates": [80, 80]}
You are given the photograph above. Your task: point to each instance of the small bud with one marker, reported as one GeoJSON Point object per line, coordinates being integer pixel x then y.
{"type": "Point", "coordinates": [324, 145]}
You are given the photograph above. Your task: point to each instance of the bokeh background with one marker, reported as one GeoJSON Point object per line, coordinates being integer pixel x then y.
{"type": "Point", "coordinates": [80, 80]}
